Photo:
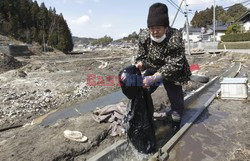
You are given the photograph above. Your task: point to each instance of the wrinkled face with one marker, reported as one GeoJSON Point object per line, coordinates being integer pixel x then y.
{"type": "Point", "coordinates": [157, 31]}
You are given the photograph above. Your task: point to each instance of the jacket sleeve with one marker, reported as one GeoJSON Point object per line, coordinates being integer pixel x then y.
{"type": "Point", "coordinates": [141, 54]}
{"type": "Point", "coordinates": [142, 47]}
{"type": "Point", "coordinates": [175, 60]}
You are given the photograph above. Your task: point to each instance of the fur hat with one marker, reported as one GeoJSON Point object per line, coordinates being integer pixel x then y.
{"type": "Point", "coordinates": [158, 15]}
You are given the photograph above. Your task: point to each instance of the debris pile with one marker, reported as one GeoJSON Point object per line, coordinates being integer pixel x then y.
{"type": "Point", "coordinates": [28, 103]}
{"type": "Point", "coordinates": [81, 90]}
{"type": "Point", "coordinates": [8, 62]}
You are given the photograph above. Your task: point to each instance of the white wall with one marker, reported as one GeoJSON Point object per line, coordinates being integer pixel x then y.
{"type": "Point", "coordinates": [192, 37]}
{"type": "Point", "coordinates": [218, 38]}
{"type": "Point", "coordinates": [247, 25]}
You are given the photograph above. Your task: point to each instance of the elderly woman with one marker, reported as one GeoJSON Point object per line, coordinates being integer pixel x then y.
{"type": "Point", "coordinates": [161, 48]}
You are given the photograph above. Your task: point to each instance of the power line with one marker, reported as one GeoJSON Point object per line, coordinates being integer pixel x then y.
{"type": "Point", "coordinates": [236, 3]}
{"type": "Point", "coordinates": [175, 6]}
{"type": "Point", "coordinates": [179, 8]}
{"type": "Point", "coordinates": [202, 3]}
{"type": "Point", "coordinates": [187, 27]}
{"type": "Point", "coordinates": [214, 27]}
{"type": "Point", "coordinates": [216, 1]}
{"type": "Point", "coordinates": [245, 1]}
{"type": "Point", "coordinates": [174, 3]}
{"type": "Point", "coordinates": [247, 4]}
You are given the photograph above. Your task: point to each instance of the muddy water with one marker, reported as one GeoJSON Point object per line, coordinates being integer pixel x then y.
{"type": "Point", "coordinates": [131, 154]}
{"type": "Point", "coordinates": [80, 109]}
{"type": "Point", "coordinates": [197, 144]}
{"type": "Point", "coordinates": [163, 134]}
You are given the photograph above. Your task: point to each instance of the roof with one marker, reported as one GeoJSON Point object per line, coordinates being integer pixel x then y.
{"type": "Point", "coordinates": [217, 28]}
{"type": "Point", "coordinates": [244, 17]}
{"type": "Point", "coordinates": [191, 29]}
{"type": "Point", "coordinates": [221, 28]}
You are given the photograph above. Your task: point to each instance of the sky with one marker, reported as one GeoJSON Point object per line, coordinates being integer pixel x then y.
{"type": "Point", "coordinates": [119, 18]}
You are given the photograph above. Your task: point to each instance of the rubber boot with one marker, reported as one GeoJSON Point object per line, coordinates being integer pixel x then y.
{"type": "Point", "coordinates": [176, 126]}
{"type": "Point", "coordinates": [168, 116]}
{"type": "Point", "coordinates": [176, 121]}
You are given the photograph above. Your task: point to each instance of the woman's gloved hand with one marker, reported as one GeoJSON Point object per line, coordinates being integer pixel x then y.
{"type": "Point", "coordinates": [140, 66]}
{"type": "Point", "coordinates": [151, 80]}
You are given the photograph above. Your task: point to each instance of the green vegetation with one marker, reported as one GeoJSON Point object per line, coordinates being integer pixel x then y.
{"type": "Point", "coordinates": [234, 29]}
{"type": "Point", "coordinates": [205, 17]}
{"type": "Point", "coordinates": [104, 41]}
{"type": "Point", "coordinates": [236, 37]}
{"type": "Point", "coordinates": [131, 37]}
{"type": "Point", "coordinates": [235, 45]}
{"type": "Point", "coordinates": [28, 22]}
{"type": "Point", "coordinates": [80, 40]}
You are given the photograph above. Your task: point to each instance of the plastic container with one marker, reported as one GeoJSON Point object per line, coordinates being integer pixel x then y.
{"type": "Point", "coordinates": [234, 88]}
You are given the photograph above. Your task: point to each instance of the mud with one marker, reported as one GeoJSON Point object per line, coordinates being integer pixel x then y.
{"type": "Point", "coordinates": [55, 81]}
{"type": "Point", "coordinates": [221, 133]}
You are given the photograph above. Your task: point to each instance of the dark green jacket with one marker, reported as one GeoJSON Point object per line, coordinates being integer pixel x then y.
{"type": "Point", "coordinates": [168, 57]}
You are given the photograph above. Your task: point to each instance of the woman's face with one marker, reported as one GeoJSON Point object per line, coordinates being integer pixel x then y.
{"type": "Point", "coordinates": [157, 31]}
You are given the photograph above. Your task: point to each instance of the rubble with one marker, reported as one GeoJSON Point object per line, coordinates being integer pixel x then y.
{"type": "Point", "coordinates": [8, 62]}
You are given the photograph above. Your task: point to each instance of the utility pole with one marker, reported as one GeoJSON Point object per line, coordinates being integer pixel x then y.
{"type": "Point", "coordinates": [44, 43]}
{"type": "Point", "coordinates": [177, 13]}
{"type": "Point", "coordinates": [214, 25]}
{"type": "Point", "coordinates": [187, 28]}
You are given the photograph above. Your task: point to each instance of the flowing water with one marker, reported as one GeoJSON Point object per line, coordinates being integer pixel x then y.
{"type": "Point", "coordinates": [79, 109]}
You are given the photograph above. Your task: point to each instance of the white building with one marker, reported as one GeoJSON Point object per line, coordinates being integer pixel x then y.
{"type": "Point", "coordinates": [245, 20]}
{"type": "Point", "coordinates": [205, 34]}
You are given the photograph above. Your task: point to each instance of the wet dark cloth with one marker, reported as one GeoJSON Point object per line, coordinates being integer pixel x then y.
{"type": "Point", "coordinates": [130, 79]}
{"type": "Point", "coordinates": [138, 121]}
{"type": "Point", "coordinates": [168, 57]}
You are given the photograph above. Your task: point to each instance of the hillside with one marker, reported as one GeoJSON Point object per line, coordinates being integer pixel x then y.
{"type": "Point", "coordinates": [223, 15]}
{"type": "Point", "coordinates": [82, 40]}
{"type": "Point", "coordinates": [26, 21]}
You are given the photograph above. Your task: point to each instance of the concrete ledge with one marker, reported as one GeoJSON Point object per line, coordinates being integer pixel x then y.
{"type": "Point", "coordinates": [19, 50]}
{"type": "Point", "coordinates": [110, 152]}
{"type": "Point", "coordinates": [15, 50]}
{"type": "Point", "coordinates": [189, 98]}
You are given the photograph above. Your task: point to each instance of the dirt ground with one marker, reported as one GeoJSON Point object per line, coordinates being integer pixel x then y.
{"type": "Point", "coordinates": [53, 81]}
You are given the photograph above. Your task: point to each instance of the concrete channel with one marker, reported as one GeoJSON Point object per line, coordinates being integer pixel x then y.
{"type": "Point", "coordinates": [195, 104]}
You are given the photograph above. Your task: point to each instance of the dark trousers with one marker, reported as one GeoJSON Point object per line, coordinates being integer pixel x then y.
{"type": "Point", "coordinates": [175, 95]}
